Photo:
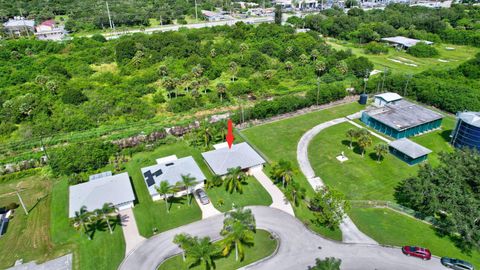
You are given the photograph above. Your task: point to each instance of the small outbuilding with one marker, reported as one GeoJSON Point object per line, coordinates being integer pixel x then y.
{"type": "Point", "coordinates": [240, 155]}
{"type": "Point", "coordinates": [408, 151]}
{"type": "Point", "coordinates": [381, 100]}
{"type": "Point", "coordinates": [171, 169]}
{"type": "Point", "coordinates": [114, 189]}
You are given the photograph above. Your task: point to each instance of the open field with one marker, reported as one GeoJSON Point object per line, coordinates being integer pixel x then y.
{"type": "Point", "coordinates": [402, 62]}
{"type": "Point", "coordinates": [253, 194]}
{"type": "Point", "coordinates": [391, 228]}
{"type": "Point", "coordinates": [28, 237]}
{"type": "Point", "coordinates": [264, 246]}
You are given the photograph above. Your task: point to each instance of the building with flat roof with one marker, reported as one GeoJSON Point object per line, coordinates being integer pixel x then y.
{"type": "Point", "coordinates": [240, 155]}
{"type": "Point", "coordinates": [467, 130]}
{"type": "Point", "coordinates": [19, 25]}
{"type": "Point", "coordinates": [402, 119]}
{"type": "Point", "coordinates": [381, 100]}
{"type": "Point", "coordinates": [404, 42]}
{"type": "Point", "coordinates": [171, 169]}
{"type": "Point", "coordinates": [408, 151]}
{"type": "Point", "coordinates": [114, 189]}
{"type": "Point", "coordinates": [49, 30]}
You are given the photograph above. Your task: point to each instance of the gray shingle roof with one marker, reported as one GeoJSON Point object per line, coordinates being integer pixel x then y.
{"type": "Point", "coordinates": [409, 148]}
{"type": "Point", "coordinates": [240, 155]}
{"type": "Point", "coordinates": [403, 115]}
{"type": "Point", "coordinates": [172, 172]}
{"type": "Point", "coordinates": [115, 189]}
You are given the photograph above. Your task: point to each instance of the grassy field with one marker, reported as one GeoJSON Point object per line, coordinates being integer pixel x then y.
{"type": "Point", "coordinates": [278, 140]}
{"type": "Point", "coordinates": [253, 194]}
{"type": "Point", "coordinates": [389, 227]}
{"type": "Point", "coordinates": [263, 247]}
{"type": "Point", "coordinates": [405, 62]}
{"type": "Point", "coordinates": [28, 237]}
{"type": "Point", "coordinates": [104, 251]}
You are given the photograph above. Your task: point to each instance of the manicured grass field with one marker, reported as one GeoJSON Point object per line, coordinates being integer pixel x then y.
{"type": "Point", "coordinates": [263, 247]}
{"type": "Point", "coordinates": [389, 227]}
{"type": "Point", "coordinates": [278, 140]}
{"type": "Point", "coordinates": [104, 251]}
{"type": "Point", "coordinates": [28, 237]}
{"type": "Point", "coordinates": [446, 59]}
{"type": "Point", "coordinates": [253, 194]}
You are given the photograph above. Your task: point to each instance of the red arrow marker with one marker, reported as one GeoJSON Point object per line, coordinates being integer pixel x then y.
{"type": "Point", "coordinates": [230, 136]}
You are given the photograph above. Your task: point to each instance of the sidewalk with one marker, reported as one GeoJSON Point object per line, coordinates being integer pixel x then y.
{"type": "Point", "coordinates": [130, 230]}
{"type": "Point", "coordinates": [279, 200]}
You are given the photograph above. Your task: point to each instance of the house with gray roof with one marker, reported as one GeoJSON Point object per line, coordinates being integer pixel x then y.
{"type": "Point", "coordinates": [114, 189]}
{"type": "Point", "coordinates": [171, 169]}
{"type": "Point", "coordinates": [404, 42]}
{"type": "Point", "coordinates": [19, 25]}
{"type": "Point", "coordinates": [240, 155]}
{"type": "Point", "coordinates": [408, 151]}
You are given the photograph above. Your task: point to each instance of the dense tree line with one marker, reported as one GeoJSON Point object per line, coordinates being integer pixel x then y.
{"type": "Point", "coordinates": [85, 83]}
{"type": "Point", "coordinates": [450, 193]}
{"type": "Point", "coordinates": [458, 25]}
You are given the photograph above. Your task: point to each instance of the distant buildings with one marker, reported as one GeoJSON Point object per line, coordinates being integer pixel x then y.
{"type": "Point", "coordinates": [114, 189]}
{"type": "Point", "coordinates": [467, 130]}
{"type": "Point", "coordinates": [399, 118]}
{"type": "Point", "coordinates": [49, 30]}
{"type": "Point", "coordinates": [301, 4]}
{"type": "Point", "coordinates": [19, 26]}
{"type": "Point", "coordinates": [404, 42]}
{"type": "Point", "coordinates": [212, 16]}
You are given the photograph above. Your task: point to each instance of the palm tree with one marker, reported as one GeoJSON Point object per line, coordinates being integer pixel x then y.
{"type": "Point", "coordinates": [164, 190]}
{"type": "Point", "coordinates": [243, 49]}
{"type": "Point", "coordinates": [188, 182]}
{"type": "Point", "coordinates": [213, 53]}
{"type": "Point", "coordinates": [380, 151]}
{"type": "Point", "coordinates": [183, 241]}
{"type": "Point", "coordinates": [304, 59]}
{"type": "Point", "coordinates": [314, 54]}
{"type": "Point", "coordinates": [162, 70]}
{"type": "Point", "coordinates": [82, 220]}
{"type": "Point", "coordinates": [284, 170]}
{"type": "Point", "coordinates": [329, 263]}
{"type": "Point", "coordinates": [205, 82]}
{"type": "Point", "coordinates": [242, 215]}
{"type": "Point", "coordinates": [351, 134]}
{"type": "Point", "coordinates": [364, 141]}
{"type": "Point", "coordinates": [197, 71]}
{"type": "Point", "coordinates": [233, 69]}
{"type": "Point", "coordinates": [234, 180]}
{"type": "Point", "coordinates": [295, 192]}
{"type": "Point", "coordinates": [236, 235]}
{"type": "Point", "coordinates": [104, 213]}
{"type": "Point", "coordinates": [288, 66]}
{"type": "Point", "coordinates": [221, 89]}
{"type": "Point", "coordinates": [202, 251]}
{"type": "Point", "coordinates": [320, 67]}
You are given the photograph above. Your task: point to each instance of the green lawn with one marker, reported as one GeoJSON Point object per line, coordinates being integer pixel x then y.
{"type": "Point", "coordinates": [264, 246]}
{"type": "Point", "coordinates": [454, 57]}
{"type": "Point", "coordinates": [253, 194]}
{"type": "Point", "coordinates": [278, 140]}
{"type": "Point", "coordinates": [104, 251]}
{"type": "Point", "coordinates": [28, 237]}
{"type": "Point", "coordinates": [389, 227]}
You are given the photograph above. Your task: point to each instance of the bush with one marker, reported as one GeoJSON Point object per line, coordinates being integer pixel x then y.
{"type": "Point", "coordinates": [375, 48]}
{"type": "Point", "coordinates": [422, 50]}
{"type": "Point", "coordinates": [12, 206]}
{"type": "Point", "coordinates": [73, 96]}
{"type": "Point", "coordinates": [181, 104]}
{"type": "Point", "coordinates": [99, 38]}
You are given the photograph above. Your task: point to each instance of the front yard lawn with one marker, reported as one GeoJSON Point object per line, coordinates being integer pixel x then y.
{"type": "Point", "coordinates": [253, 194]}
{"type": "Point", "coordinates": [392, 228]}
{"type": "Point", "coordinates": [264, 246]}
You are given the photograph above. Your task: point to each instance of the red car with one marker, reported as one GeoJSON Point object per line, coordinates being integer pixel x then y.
{"type": "Point", "coordinates": [417, 252]}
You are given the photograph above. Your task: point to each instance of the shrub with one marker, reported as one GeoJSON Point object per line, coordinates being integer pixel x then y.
{"type": "Point", "coordinates": [181, 104]}
{"type": "Point", "coordinates": [421, 49]}
{"type": "Point", "coordinates": [375, 48]}
{"type": "Point", "coordinates": [12, 206]}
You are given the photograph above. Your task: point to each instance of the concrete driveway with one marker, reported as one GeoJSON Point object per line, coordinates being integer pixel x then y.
{"type": "Point", "coordinates": [297, 250]}
{"type": "Point", "coordinates": [130, 230]}
{"type": "Point", "coordinates": [208, 210]}
{"type": "Point", "coordinates": [278, 198]}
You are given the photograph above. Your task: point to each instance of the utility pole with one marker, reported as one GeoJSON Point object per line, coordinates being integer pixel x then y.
{"type": "Point", "coordinates": [109, 17]}
{"type": "Point", "coordinates": [367, 73]}
{"type": "Point", "coordinates": [196, 11]}
{"type": "Point", "coordinates": [21, 202]}
{"type": "Point", "coordinates": [44, 149]}
{"type": "Point", "coordinates": [383, 79]}
{"type": "Point", "coordinates": [318, 88]}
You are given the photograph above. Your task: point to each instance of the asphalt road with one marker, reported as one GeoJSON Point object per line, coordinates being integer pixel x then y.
{"type": "Point", "coordinates": [298, 247]}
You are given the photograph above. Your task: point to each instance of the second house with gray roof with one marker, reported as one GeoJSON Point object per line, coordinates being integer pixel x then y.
{"type": "Point", "coordinates": [171, 169]}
